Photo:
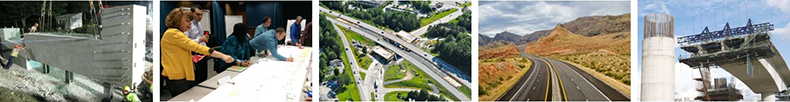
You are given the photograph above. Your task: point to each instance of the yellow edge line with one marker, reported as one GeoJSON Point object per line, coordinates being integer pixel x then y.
{"type": "Point", "coordinates": [548, 80]}
{"type": "Point", "coordinates": [561, 86]}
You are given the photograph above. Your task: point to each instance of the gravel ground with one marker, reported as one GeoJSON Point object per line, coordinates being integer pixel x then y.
{"type": "Point", "coordinates": [50, 87]}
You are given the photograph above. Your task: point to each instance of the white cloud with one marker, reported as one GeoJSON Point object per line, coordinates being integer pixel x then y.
{"type": "Point", "coordinates": [685, 85]}
{"type": "Point", "coordinates": [783, 32]}
{"type": "Point", "coordinates": [655, 7]}
{"type": "Point", "coordinates": [524, 17]}
{"type": "Point", "coordinates": [783, 5]}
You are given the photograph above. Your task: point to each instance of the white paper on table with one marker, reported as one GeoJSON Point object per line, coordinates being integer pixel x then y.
{"type": "Point", "coordinates": [267, 80]}
{"type": "Point", "coordinates": [299, 55]}
{"type": "Point", "coordinates": [223, 80]}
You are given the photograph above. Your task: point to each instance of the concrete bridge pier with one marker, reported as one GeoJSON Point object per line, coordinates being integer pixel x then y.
{"type": "Point", "coordinates": [768, 96]}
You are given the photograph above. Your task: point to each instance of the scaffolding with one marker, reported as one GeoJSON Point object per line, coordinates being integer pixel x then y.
{"type": "Point", "coordinates": [742, 44]}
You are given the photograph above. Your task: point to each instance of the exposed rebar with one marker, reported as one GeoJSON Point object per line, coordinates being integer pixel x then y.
{"type": "Point", "coordinates": [659, 25]}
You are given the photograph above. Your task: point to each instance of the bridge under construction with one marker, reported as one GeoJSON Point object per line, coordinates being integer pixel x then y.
{"type": "Point", "coordinates": [745, 52]}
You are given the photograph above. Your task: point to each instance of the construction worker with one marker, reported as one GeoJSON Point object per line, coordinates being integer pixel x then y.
{"type": "Point", "coordinates": [130, 95]}
{"type": "Point", "coordinates": [14, 54]}
{"type": "Point", "coordinates": [33, 29]}
{"type": "Point", "coordinates": [146, 87]}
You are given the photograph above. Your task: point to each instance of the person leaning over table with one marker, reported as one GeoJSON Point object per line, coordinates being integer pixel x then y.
{"type": "Point", "coordinates": [176, 58]}
{"type": "Point", "coordinates": [236, 46]}
{"type": "Point", "coordinates": [268, 41]}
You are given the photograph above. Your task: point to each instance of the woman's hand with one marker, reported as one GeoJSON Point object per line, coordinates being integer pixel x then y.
{"type": "Point", "coordinates": [227, 59]}
{"type": "Point", "coordinates": [224, 57]}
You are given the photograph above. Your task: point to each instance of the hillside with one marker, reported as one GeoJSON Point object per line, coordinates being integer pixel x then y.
{"type": "Point", "coordinates": [499, 69]}
{"type": "Point", "coordinates": [606, 56]}
{"type": "Point", "coordinates": [587, 26]}
{"type": "Point", "coordinates": [498, 50]}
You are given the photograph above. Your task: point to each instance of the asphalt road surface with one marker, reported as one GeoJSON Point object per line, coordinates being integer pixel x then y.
{"type": "Point", "coordinates": [550, 79]}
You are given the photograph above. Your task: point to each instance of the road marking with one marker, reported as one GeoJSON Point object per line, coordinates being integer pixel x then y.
{"type": "Point", "coordinates": [588, 82]}
{"type": "Point", "coordinates": [561, 86]}
{"type": "Point", "coordinates": [548, 80]}
{"type": "Point", "coordinates": [522, 86]}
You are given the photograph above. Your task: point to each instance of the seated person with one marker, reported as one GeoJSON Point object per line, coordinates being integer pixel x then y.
{"type": "Point", "coordinates": [267, 41]}
{"type": "Point", "coordinates": [236, 46]}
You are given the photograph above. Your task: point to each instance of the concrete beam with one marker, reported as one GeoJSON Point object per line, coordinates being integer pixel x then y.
{"type": "Point", "coordinates": [774, 75]}
{"type": "Point", "coordinates": [766, 77]}
{"type": "Point", "coordinates": [110, 58]}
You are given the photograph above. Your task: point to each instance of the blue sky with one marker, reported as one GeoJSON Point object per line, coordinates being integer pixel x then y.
{"type": "Point", "coordinates": [691, 17]}
{"type": "Point", "coordinates": [524, 17]}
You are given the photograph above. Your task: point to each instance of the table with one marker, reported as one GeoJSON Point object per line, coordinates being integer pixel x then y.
{"type": "Point", "coordinates": [212, 82]}
{"type": "Point", "coordinates": [194, 93]}
{"type": "Point", "coordinates": [265, 79]}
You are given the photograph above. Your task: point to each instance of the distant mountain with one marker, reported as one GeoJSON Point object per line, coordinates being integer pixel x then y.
{"type": "Point", "coordinates": [587, 26]}
{"type": "Point", "coordinates": [508, 37]}
{"type": "Point", "coordinates": [483, 40]}
{"type": "Point", "coordinates": [595, 25]}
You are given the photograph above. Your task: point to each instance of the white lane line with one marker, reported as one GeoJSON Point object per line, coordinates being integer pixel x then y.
{"type": "Point", "coordinates": [522, 85]}
{"type": "Point", "coordinates": [588, 82]}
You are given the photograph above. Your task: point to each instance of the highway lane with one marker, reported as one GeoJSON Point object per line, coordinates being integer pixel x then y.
{"type": "Point", "coordinates": [445, 19]}
{"type": "Point", "coordinates": [576, 87]}
{"type": "Point", "coordinates": [573, 84]}
{"type": "Point", "coordinates": [455, 92]}
{"type": "Point", "coordinates": [533, 86]}
{"type": "Point", "coordinates": [580, 85]}
{"type": "Point", "coordinates": [374, 32]}
{"type": "Point", "coordinates": [354, 66]}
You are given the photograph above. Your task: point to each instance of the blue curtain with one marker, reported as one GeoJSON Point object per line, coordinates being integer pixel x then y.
{"type": "Point", "coordinates": [164, 9]}
{"type": "Point", "coordinates": [257, 10]}
{"type": "Point", "coordinates": [218, 22]}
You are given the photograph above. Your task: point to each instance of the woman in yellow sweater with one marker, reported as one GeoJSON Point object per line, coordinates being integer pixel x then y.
{"type": "Point", "coordinates": [176, 50]}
